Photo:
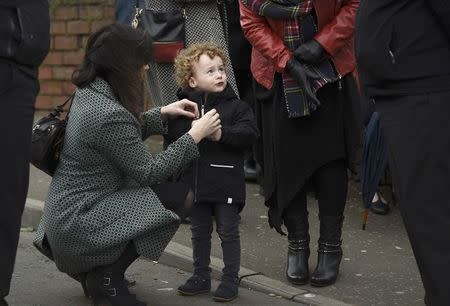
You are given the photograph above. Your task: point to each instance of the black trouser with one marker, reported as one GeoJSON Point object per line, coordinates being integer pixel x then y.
{"type": "Point", "coordinates": [227, 226]}
{"type": "Point", "coordinates": [17, 96]}
{"type": "Point", "coordinates": [330, 184]}
{"type": "Point", "coordinates": [417, 132]}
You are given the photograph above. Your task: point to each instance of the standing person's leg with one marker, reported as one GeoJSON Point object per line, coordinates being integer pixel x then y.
{"type": "Point", "coordinates": [416, 129]}
{"type": "Point", "coordinates": [330, 182]}
{"type": "Point", "coordinates": [201, 228]}
{"type": "Point", "coordinates": [295, 217]}
{"type": "Point", "coordinates": [227, 223]}
{"type": "Point", "coordinates": [17, 96]}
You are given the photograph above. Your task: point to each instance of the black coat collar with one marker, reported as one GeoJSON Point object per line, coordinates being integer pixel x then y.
{"type": "Point", "coordinates": [211, 99]}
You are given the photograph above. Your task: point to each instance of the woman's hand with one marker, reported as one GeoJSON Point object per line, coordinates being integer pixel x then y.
{"type": "Point", "coordinates": [207, 125]}
{"type": "Point", "coordinates": [183, 107]}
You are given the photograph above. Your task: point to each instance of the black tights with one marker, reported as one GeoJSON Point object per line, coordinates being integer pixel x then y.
{"type": "Point", "coordinates": [330, 184]}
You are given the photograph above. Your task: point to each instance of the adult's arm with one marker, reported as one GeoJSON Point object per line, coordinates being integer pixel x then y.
{"type": "Point", "coordinates": [336, 33]}
{"type": "Point", "coordinates": [119, 139]}
{"type": "Point", "coordinates": [263, 38]}
{"type": "Point", "coordinates": [152, 123]}
{"type": "Point", "coordinates": [441, 10]}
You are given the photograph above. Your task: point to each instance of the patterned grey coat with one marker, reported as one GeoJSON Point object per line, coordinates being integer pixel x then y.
{"type": "Point", "coordinates": [100, 197]}
{"type": "Point", "coordinates": [203, 23]}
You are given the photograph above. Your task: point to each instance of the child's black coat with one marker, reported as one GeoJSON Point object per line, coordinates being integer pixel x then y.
{"type": "Point", "coordinates": [218, 174]}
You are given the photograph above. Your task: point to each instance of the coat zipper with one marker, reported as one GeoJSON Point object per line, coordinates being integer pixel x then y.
{"type": "Point", "coordinates": [202, 112]}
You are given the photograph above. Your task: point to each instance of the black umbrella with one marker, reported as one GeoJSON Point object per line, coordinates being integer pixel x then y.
{"type": "Point", "coordinates": [373, 162]}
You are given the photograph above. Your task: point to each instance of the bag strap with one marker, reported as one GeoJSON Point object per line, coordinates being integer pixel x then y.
{"type": "Point", "coordinates": [60, 108]}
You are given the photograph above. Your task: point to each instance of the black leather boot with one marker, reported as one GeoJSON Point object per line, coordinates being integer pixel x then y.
{"type": "Point", "coordinates": [107, 288]}
{"type": "Point", "coordinates": [297, 269]}
{"type": "Point", "coordinates": [329, 252]}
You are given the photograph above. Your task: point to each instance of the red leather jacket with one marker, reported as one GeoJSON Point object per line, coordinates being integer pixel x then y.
{"type": "Point", "coordinates": [336, 21]}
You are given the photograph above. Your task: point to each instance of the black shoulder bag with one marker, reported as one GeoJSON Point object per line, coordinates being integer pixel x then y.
{"type": "Point", "coordinates": [167, 30]}
{"type": "Point", "coordinates": [47, 139]}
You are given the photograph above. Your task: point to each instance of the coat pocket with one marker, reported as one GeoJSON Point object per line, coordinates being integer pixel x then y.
{"type": "Point", "coordinates": [220, 182]}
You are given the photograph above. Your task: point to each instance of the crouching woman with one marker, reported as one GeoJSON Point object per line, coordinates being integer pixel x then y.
{"type": "Point", "coordinates": [109, 201]}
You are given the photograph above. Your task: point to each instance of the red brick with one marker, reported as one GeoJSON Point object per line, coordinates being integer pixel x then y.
{"type": "Point", "coordinates": [84, 40]}
{"type": "Point", "coordinates": [68, 88]}
{"type": "Point", "coordinates": [73, 57]}
{"type": "Point", "coordinates": [95, 25]}
{"type": "Point", "coordinates": [109, 13]}
{"type": "Point", "coordinates": [66, 13]}
{"type": "Point", "coordinates": [62, 73]}
{"type": "Point", "coordinates": [66, 42]}
{"type": "Point", "coordinates": [46, 102]}
{"type": "Point", "coordinates": [51, 88]}
{"type": "Point", "coordinates": [57, 27]}
{"type": "Point", "coordinates": [54, 58]}
{"type": "Point", "coordinates": [91, 12]}
{"type": "Point", "coordinates": [45, 73]}
{"type": "Point", "coordinates": [78, 27]}
{"type": "Point", "coordinates": [102, 2]}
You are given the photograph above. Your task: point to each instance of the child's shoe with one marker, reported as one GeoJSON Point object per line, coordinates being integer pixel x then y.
{"type": "Point", "coordinates": [226, 292]}
{"type": "Point", "coordinates": [195, 285]}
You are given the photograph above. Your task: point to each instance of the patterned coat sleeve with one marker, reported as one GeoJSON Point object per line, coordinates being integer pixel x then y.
{"type": "Point", "coordinates": [120, 140]}
{"type": "Point", "coordinates": [152, 123]}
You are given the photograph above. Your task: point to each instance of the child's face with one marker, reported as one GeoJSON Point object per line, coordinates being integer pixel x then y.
{"type": "Point", "coordinates": [209, 74]}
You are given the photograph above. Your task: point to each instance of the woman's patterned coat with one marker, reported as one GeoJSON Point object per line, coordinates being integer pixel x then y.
{"type": "Point", "coordinates": [204, 22]}
{"type": "Point", "coordinates": [100, 197]}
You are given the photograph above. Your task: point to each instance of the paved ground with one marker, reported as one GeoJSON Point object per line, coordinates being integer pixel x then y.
{"type": "Point", "coordinates": [36, 281]}
{"type": "Point", "coordinates": [378, 267]}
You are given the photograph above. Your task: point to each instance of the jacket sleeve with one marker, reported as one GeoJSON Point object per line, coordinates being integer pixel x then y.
{"type": "Point", "coordinates": [336, 33]}
{"type": "Point", "coordinates": [243, 133]}
{"type": "Point", "coordinates": [119, 140]}
{"type": "Point", "coordinates": [261, 36]}
{"type": "Point", "coordinates": [441, 10]}
{"type": "Point", "coordinates": [152, 124]}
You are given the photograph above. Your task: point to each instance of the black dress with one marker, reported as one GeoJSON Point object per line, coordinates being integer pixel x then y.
{"type": "Point", "coordinates": [295, 148]}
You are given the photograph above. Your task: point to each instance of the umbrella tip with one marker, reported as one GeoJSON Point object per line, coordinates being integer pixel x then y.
{"type": "Point", "coordinates": [365, 216]}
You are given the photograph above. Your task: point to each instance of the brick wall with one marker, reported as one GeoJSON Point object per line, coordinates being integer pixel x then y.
{"type": "Point", "coordinates": [72, 21]}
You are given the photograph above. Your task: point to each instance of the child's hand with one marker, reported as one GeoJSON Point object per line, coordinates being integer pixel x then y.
{"type": "Point", "coordinates": [216, 135]}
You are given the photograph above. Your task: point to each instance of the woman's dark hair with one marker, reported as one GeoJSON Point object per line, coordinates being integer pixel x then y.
{"type": "Point", "coordinates": [118, 53]}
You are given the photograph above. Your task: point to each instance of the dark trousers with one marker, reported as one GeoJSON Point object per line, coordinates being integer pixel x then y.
{"type": "Point", "coordinates": [330, 184]}
{"type": "Point", "coordinates": [227, 226]}
{"type": "Point", "coordinates": [17, 96]}
{"type": "Point", "coordinates": [417, 132]}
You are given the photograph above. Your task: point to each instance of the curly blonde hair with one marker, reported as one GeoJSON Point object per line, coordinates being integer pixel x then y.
{"type": "Point", "coordinates": [184, 62]}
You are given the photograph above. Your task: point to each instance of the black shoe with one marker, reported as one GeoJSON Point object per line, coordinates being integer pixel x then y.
{"type": "Point", "coordinates": [328, 261]}
{"type": "Point", "coordinates": [195, 285]}
{"type": "Point", "coordinates": [379, 207]}
{"type": "Point", "coordinates": [250, 170]}
{"type": "Point", "coordinates": [186, 220]}
{"type": "Point", "coordinates": [329, 252]}
{"type": "Point", "coordinates": [104, 287]}
{"type": "Point", "coordinates": [128, 282]}
{"type": "Point", "coordinates": [226, 292]}
{"type": "Point", "coordinates": [297, 270]}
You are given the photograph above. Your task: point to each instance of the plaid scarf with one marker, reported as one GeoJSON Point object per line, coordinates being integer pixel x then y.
{"type": "Point", "coordinates": [300, 27]}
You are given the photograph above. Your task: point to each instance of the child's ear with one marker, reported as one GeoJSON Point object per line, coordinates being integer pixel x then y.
{"type": "Point", "coordinates": [192, 82]}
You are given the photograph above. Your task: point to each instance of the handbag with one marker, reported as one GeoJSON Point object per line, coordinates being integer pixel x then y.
{"type": "Point", "coordinates": [47, 139]}
{"type": "Point", "coordinates": [167, 30]}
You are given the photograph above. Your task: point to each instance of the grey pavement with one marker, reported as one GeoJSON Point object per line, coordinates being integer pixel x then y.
{"type": "Point", "coordinates": [36, 281]}
{"type": "Point", "coordinates": [378, 266]}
